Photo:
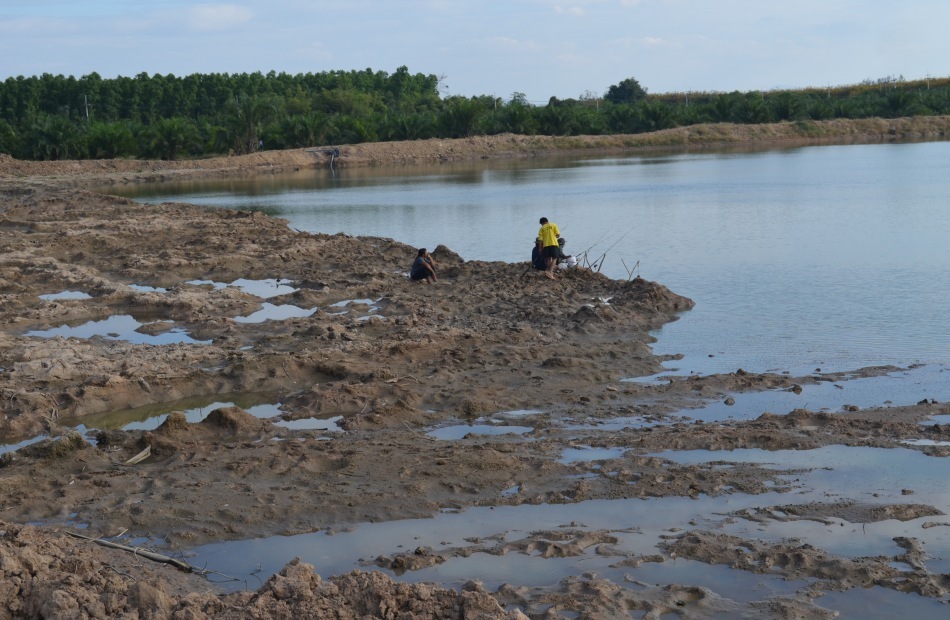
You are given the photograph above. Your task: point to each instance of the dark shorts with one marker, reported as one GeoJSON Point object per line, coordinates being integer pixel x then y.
{"type": "Point", "coordinates": [551, 251]}
{"type": "Point", "coordinates": [419, 274]}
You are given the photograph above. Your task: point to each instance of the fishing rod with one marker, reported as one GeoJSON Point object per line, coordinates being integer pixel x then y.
{"type": "Point", "coordinates": [583, 255]}
{"type": "Point", "coordinates": [604, 255]}
{"type": "Point", "coordinates": [596, 242]}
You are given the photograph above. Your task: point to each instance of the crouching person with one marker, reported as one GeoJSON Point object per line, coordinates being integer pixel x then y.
{"type": "Point", "coordinates": [423, 268]}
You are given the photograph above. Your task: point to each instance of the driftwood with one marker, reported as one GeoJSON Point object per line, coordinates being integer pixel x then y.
{"type": "Point", "coordinates": [141, 456]}
{"type": "Point", "coordinates": [148, 555]}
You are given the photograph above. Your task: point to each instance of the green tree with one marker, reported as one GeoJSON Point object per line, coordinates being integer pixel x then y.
{"type": "Point", "coordinates": [558, 120]}
{"type": "Point", "coordinates": [246, 117]}
{"type": "Point", "coordinates": [167, 137]}
{"type": "Point", "coordinates": [518, 116]}
{"type": "Point", "coordinates": [627, 91]}
{"type": "Point", "coordinates": [655, 115]}
{"type": "Point", "coordinates": [109, 140]}
{"type": "Point", "coordinates": [622, 118]}
{"type": "Point", "coordinates": [786, 107]}
{"type": "Point", "coordinates": [53, 137]}
{"type": "Point", "coordinates": [8, 138]}
{"type": "Point", "coordinates": [459, 117]}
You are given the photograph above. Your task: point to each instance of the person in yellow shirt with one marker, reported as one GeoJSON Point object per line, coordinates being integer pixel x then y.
{"type": "Point", "coordinates": [550, 249]}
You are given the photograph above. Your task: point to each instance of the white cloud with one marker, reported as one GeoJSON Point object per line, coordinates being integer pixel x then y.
{"type": "Point", "coordinates": [217, 17]}
{"type": "Point", "coordinates": [510, 44]}
{"type": "Point", "coordinates": [576, 11]}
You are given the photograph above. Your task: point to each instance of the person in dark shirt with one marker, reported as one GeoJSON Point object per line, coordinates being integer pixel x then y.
{"type": "Point", "coordinates": [423, 268]}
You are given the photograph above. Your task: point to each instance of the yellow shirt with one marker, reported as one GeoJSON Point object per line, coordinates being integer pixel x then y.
{"type": "Point", "coordinates": [549, 234]}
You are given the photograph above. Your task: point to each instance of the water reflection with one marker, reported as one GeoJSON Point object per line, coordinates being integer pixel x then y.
{"type": "Point", "coordinates": [120, 327]}
{"type": "Point", "coordinates": [66, 295]}
{"type": "Point", "coordinates": [150, 417]}
{"type": "Point", "coordinates": [461, 431]}
{"type": "Point", "coordinates": [270, 312]}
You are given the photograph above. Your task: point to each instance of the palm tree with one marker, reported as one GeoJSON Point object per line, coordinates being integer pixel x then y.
{"type": "Point", "coordinates": [168, 136]}
{"type": "Point", "coordinates": [246, 116]}
{"type": "Point", "coordinates": [53, 137]}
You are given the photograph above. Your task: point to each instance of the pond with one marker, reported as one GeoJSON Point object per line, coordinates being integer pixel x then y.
{"type": "Point", "coordinates": [831, 257]}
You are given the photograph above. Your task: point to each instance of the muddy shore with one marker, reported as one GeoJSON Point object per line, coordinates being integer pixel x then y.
{"type": "Point", "coordinates": [388, 360]}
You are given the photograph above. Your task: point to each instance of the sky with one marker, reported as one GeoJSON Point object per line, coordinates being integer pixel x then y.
{"type": "Point", "coordinates": [536, 48]}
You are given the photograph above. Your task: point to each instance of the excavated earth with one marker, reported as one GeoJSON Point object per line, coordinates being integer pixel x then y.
{"type": "Point", "coordinates": [387, 359]}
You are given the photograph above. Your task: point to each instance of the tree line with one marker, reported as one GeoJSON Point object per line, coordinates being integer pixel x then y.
{"type": "Point", "coordinates": [167, 117]}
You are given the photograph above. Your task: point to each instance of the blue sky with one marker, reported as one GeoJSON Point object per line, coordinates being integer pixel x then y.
{"type": "Point", "coordinates": [541, 48]}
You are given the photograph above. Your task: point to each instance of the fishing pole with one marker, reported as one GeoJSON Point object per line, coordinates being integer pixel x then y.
{"type": "Point", "coordinates": [604, 255]}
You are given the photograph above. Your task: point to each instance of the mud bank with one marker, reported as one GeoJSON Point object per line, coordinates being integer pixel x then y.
{"type": "Point", "coordinates": [491, 344]}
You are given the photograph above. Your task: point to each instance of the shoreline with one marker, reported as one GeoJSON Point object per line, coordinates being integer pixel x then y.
{"type": "Point", "coordinates": [81, 173]}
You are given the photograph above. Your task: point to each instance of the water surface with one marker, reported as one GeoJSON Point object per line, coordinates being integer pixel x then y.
{"type": "Point", "coordinates": [833, 256]}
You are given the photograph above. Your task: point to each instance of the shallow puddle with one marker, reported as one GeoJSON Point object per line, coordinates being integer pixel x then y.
{"type": "Point", "coordinates": [13, 447]}
{"type": "Point", "coordinates": [66, 295]}
{"type": "Point", "coordinates": [354, 302]}
{"type": "Point", "coordinates": [264, 289]}
{"type": "Point", "coordinates": [118, 327]}
{"type": "Point", "coordinates": [270, 312]}
{"type": "Point", "coordinates": [639, 525]}
{"type": "Point", "coordinates": [329, 424]}
{"type": "Point", "coordinates": [195, 409]}
{"type": "Point", "coordinates": [462, 430]}
{"type": "Point", "coordinates": [147, 289]}
{"type": "Point", "coordinates": [344, 307]}
{"type": "Point", "coordinates": [905, 387]}
{"type": "Point", "coordinates": [519, 413]}
{"type": "Point", "coordinates": [859, 472]}
{"type": "Point", "coordinates": [589, 454]}
{"type": "Point", "coordinates": [619, 424]}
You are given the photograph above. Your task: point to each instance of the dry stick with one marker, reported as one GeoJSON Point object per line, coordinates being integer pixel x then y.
{"type": "Point", "coordinates": [630, 271]}
{"type": "Point", "coordinates": [148, 555]}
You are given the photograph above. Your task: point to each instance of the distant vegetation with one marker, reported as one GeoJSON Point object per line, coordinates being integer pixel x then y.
{"type": "Point", "coordinates": [166, 117]}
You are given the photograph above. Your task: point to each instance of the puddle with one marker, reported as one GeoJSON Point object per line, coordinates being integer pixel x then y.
{"type": "Point", "coordinates": [343, 551]}
{"type": "Point", "coordinates": [328, 424]}
{"type": "Point", "coordinates": [639, 525]}
{"type": "Point", "coordinates": [195, 409]}
{"type": "Point", "coordinates": [118, 327]}
{"type": "Point", "coordinates": [519, 413]}
{"type": "Point", "coordinates": [259, 288]}
{"type": "Point", "coordinates": [147, 289]}
{"type": "Point", "coordinates": [619, 424]}
{"type": "Point", "coordinates": [13, 447]}
{"type": "Point", "coordinates": [66, 295]}
{"type": "Point", "coordinates": [860, 472]}
{"type": "Point", "coordinates": [905, 387]}
{"type": "Point", "coordinates": [511, 491]}
{"type": "Point", "coordinates": [270, 312]}
{"type": "Point", "coordinates": [925, 442]}
{"type": "Point", "coordinates": [586, 453]}
{"type": "Point", "coordinates": [343, 307]}
{"type": "Point", "coordinates": [265, 288]}
{"type": "Point", "coordinates": [354, 302]}
{"type": "Point", "coordinates": [462, 430]}
{"type": "Point", "coordinates": [937, 419]}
